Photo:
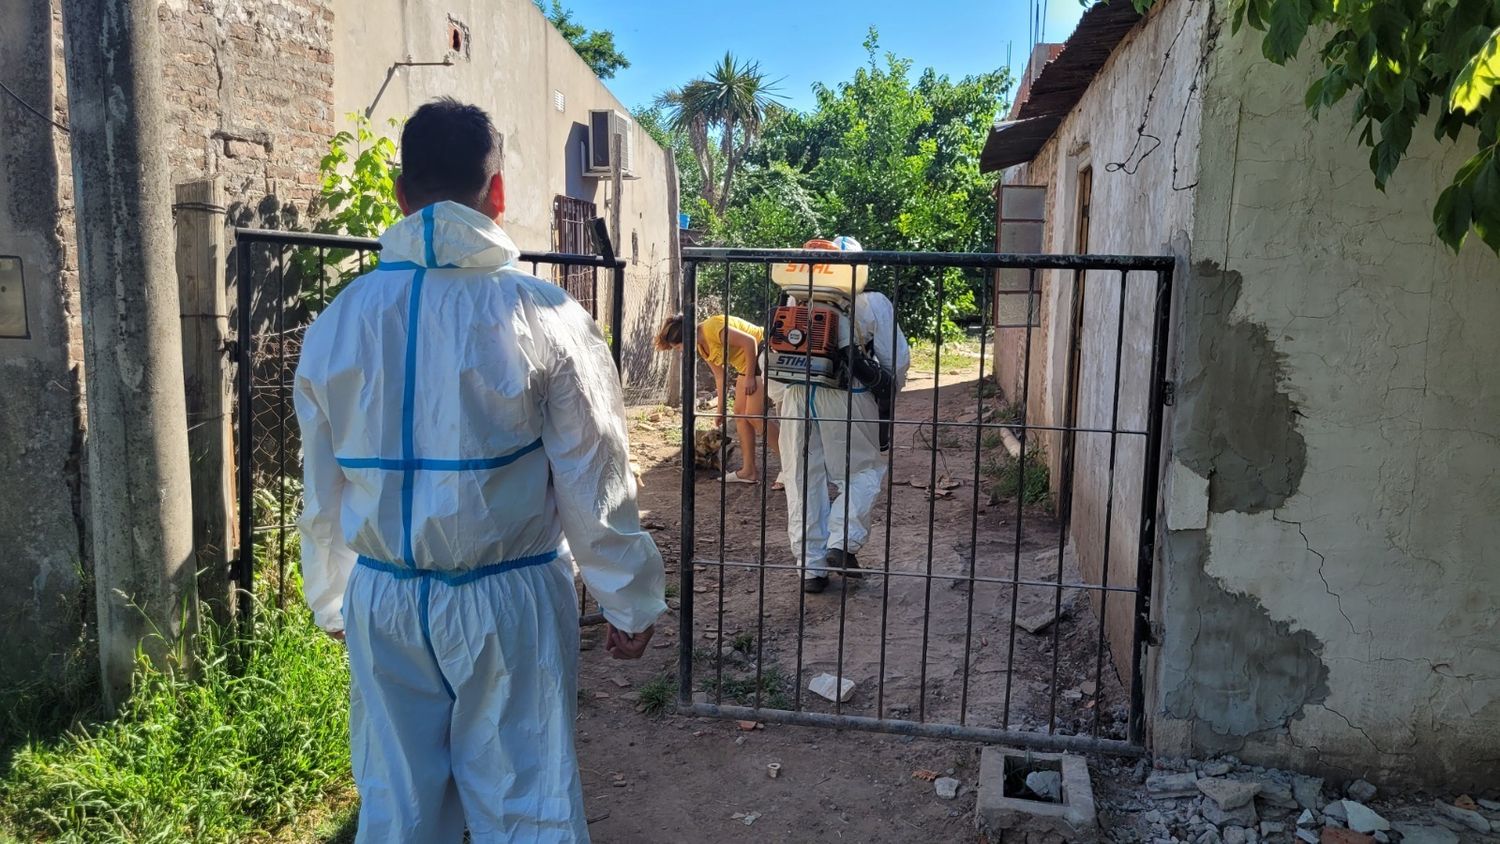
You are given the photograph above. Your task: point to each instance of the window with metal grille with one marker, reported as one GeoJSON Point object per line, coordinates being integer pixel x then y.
{"type": "Point", "coordinates": [574, 237]}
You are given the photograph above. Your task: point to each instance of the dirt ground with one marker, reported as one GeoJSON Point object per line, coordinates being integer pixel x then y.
{"type": "Point", "coordinates": [676, 778]}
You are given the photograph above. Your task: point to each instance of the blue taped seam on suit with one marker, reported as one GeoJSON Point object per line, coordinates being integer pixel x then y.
{"type": "Point", "coordinates": [433, 464]}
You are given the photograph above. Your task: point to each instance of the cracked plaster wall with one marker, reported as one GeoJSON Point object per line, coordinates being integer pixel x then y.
{"type": "Point", "coordinates": [1330, 593]}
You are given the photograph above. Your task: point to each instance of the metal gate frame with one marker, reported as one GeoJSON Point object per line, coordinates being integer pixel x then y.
{"type": "Point", "coordinates": [1159, 397]}
{"type": "Point", "coordinates": [242, 568]}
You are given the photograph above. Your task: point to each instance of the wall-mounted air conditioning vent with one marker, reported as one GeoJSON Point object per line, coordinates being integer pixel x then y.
{"type": "Point", "coordinates": [603, 125]}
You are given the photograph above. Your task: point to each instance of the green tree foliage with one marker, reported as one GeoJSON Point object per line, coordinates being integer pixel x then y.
{"type": "Point", "coordinates": [595, 46]}
{"type": "Point", "coordinates": [725, 109]}
{"type": "Point", "coordinates": [889, 157]}
{"type": "Point", "coordinates": [357, 196]}
{"type": "Point", "coordinates": [1405, 60]}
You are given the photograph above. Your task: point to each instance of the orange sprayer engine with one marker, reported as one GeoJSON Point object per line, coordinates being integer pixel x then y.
{"type": "Point", "coordinates": [804, 344]}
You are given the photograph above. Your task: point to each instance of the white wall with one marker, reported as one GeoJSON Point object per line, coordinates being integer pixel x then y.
{"type": "Point", "coordinates": [514, 65]}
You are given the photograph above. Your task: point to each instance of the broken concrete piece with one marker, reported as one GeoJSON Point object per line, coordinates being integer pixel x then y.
{"type": "Point", "coordinates": [1307, 835]}
{"type": "Point", "coordinates": [1472, 820]}
{"type": "Point", "coordinates": [1215, 769]}
{"type": "Point", "coordinates": [1334, 813]}
{"type": "Point", "coordinates": [1244, 815]}
{"type": "Point", "coordinates": [832, 688]}
{"type": "Point", "coordinates": [1337, 835]}
{"type": "Point", "coordinates": [1491, 805]}
{"type": "Point", "coordinates": [946, 787]}
{"type": "Point", "coordinates": [1228, 794]}
{"type": "Point", "coordinates": [1037, 620]}
{"type": "Point", "coordinates": [1308, 792]}
{"type": "Point", "coordinates": [1307, 818]}
{"type": "Point", "coordinates": [1235, 835]}
{"type": "Point", "coordinates": [1421, 834]}
{"type": "Point", "coordinates": [1270, 828]}
{"type": "Point", "coordinates": [1361, 791]}
{"type": "Point", "coordinates": [1162, 784]}
{"type": "Point", "coordinates": [1045, 784]}
{"type": "Point", "coordinates": [1273, 793]}
{"type": "Point", "coordinates": [1362, 818]}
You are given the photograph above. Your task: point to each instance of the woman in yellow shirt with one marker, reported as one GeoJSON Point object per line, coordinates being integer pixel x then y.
{"type": "Point", "coordinates": [743, 340]}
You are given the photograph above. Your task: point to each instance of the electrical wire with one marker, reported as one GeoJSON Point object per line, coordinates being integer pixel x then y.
{"type": "Point", "coordinates": [28, 107]}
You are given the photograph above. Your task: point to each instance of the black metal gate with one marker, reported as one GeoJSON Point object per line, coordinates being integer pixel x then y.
{"type": "Point", "coordinates": [284, 278]}
{"type": "Point", "coordinates": [1006, 575]}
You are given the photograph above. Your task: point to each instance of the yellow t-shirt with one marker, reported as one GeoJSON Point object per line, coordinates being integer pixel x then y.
{"type": "Point", "coordinates": [713, 342]}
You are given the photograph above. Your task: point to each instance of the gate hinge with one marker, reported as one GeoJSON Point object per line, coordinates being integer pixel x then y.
{"type": "Point", "coordinates": [1168, 392]}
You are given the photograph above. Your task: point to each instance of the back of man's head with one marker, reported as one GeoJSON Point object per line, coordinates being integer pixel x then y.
{"type": "Point", "coordinates": [451, 151]}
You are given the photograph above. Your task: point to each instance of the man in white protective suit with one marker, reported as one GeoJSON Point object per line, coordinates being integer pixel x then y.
{"type": "Point", "coordinates": [819, 425]}
{"type": "Point", "coordinates": [464, 441]}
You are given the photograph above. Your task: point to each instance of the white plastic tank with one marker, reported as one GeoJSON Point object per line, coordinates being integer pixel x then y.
{"type": "Point", "coordinates": [846, 280]}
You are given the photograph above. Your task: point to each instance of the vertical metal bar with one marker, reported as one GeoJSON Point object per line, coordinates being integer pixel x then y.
{"type": "Point", "coordinates": [322, 277]}
{"type": "Point", "coordinates": [616, 316]}
{"type": "Point", "coordinates": [846, 488]}
{"type": "Point", "coordinates": [245, 570]}
{"type": "Point", "coordinates": [1015, 586]}
{"type": "Point", "coordinates": [726, 431]}
{"type": "Point", "coordinates": [1109, 505]}
{"type": "Point", "coordinates": [984, 296]}
{"type": "Point", "coordinates": [689, 491]}
{"type": "Point", "coordinates": [890, 474]}
{"type": "Point", "coordinates": [282, 400]}
{"type": "Point", "coordinates": [809, 417]}
{"type": "Point", "coordinates": [937, 389]}
{"type": "Point", "coordinates": [1149, 490]}
{"type": "Point", "coordinates": [765, 439]}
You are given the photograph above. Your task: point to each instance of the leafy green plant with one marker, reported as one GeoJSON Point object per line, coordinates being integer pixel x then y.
{"type": "Point", "coordinates": [774, 687]}
{"type": "Point", "coordinates": [595, 46]}
{"type": "Point", "coordinates": [357, 196]}
{"type": "Point", "coordinates": [1404, 60]}
{"type": "Point", "coordinates": [1008, 477]}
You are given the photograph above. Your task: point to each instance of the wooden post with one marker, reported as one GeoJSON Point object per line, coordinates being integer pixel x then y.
{"type": "Point", "coordinates": [201, 255]}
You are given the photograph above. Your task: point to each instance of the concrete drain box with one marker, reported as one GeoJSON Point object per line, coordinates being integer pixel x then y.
{"type": "Point", "coordinates": [1011, 813]}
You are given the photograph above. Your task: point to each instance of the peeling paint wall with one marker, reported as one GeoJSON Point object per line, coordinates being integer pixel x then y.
{"type": "Point", "coordinates": [1330, 594]}
{"type": "Point", "coordinates": [516, 66]}
{"type": "Point", "coordinates": [1134, 210]}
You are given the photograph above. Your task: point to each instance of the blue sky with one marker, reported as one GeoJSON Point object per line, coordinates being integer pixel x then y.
{"type": "Point", "coordinates": [670, 41]}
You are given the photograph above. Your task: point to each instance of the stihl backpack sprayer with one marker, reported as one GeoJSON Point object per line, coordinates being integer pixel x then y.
{"type": "Point", "coordinates": [810, 337]}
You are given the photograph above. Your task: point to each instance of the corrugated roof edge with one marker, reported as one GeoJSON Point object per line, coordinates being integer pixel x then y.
{"type": "Point", "coordinates": [1060, 85]}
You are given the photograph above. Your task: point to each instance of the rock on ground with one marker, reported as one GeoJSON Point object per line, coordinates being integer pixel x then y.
{"type": "Point", "coordinates": [1422, 834]}
{"type": "Point", "coordinates": [1172, 785]}
{"type": "Point", "coordinates": [1308, 792]}
{"type": "Point", "coordinates": [1472, 820]}
{"type": "Point", "coordinates": [1228, 794]}
{"type": "Point", "coordinates": [1361, 791]}
{"type": "Point", "coordinates": [946, 787]}
{"type": "Point", "coordinates": [1364, 819]}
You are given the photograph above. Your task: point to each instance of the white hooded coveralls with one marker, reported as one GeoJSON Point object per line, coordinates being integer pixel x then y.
{"type": "Point", "coordinates": [462, 430]}
{"type": "Point", "coordinates": [822, 416]}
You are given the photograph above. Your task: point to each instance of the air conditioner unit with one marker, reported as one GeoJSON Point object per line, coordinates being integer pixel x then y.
{"type": "Point", "coordinates": [604, 124]}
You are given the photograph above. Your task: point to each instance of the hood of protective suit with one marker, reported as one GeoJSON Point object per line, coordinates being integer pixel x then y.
{"type": "Point", "coordinates": [453, 235]}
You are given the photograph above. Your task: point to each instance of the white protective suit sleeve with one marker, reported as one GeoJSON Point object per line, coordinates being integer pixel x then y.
{"type": "Point", "coordinates": [584, 436]}
{"type": "Point", "coordinates": [876, 321]}
{"type": "Point", "coordinates": [326, 558]}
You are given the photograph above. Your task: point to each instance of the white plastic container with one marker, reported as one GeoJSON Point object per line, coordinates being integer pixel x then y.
{"type": "Point", "coordinates": [847, 280]}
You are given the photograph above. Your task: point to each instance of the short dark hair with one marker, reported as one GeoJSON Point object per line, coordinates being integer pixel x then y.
{"type": "Point", "coordinates": [449, 151]}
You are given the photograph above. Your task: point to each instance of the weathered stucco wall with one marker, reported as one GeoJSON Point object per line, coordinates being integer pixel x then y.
{"type": "Point", "coordinates": [515, 65]}
{"type": "Point", "coordinates": [1134, 210]}
{"type": "Point", "coordinates": [42, 606]}
{"type": "Point", "coordinates": [1330, 594]}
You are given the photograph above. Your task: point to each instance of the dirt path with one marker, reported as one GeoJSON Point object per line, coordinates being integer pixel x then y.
{"type": "Point", "coordinates": [904, 639]}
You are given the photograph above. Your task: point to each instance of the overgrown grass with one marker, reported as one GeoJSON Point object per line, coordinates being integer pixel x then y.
{"type": "Point", "coordinates": [774, 687]}
{"type": "Point", "coordinates": [957, 357]}
{"type": "Point", "coordinates": [1006, 479]}
{"type": "Point", "coordinates": [212, 754]}
{"type": "Point", "coordinates": [657, 695]}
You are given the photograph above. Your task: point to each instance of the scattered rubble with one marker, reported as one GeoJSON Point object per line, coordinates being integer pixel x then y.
{"type": "Point", "coordinates": [1226, 801]}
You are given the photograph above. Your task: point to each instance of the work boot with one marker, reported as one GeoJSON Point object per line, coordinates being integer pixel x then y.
{"type": "Point", "coordinates": [845, 563]}
{"type": "Point", "coordinates": [814, 585]}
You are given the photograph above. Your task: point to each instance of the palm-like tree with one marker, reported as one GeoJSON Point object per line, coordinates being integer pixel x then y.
{"type": "Point", "coordinates": [733, 101]}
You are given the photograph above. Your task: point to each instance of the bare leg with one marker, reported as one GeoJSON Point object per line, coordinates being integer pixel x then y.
{"type": "Point", "coordinates": [745, 406]}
